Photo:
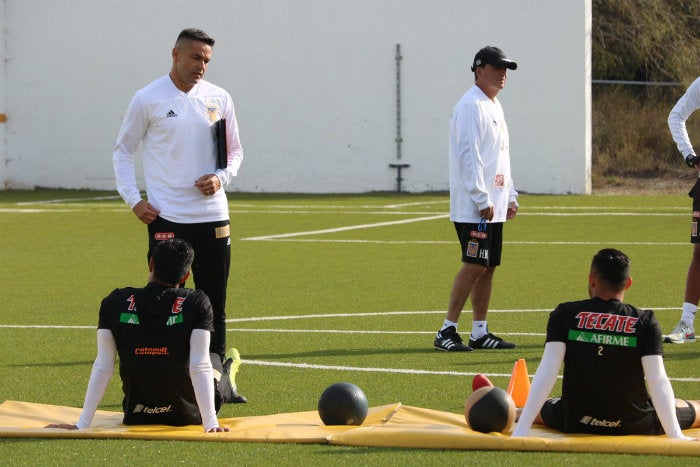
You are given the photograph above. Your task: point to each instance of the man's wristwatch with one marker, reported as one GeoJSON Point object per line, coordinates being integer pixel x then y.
{"type": "Point", "coordinates": [691, 160]}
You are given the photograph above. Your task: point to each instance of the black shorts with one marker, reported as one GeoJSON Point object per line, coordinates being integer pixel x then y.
{"type": "Point", "coordinates": [695, 194]}
{"type": "Point", "coordinates": [481, 243]}
{"type": "Point", "coordinates": [553, 416]}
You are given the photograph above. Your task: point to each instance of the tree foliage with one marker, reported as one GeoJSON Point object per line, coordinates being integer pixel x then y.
{"type": "Point", "coordinates": [646, 40]}
{"type": "Point", "coordinates": [641, 40]}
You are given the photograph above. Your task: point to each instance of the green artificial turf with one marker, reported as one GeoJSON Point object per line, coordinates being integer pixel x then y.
{"type": "Point", "coordinates": [347, 288]}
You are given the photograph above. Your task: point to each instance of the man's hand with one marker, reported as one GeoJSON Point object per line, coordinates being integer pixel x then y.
{"type": "Point", "coordinates": [145, 211]}
{"type": "Point", "coordinates": [65, 426]}
{"type": "Point", "coordinates": [208, 184]}
{"type": "Point", "coordinates": [218, 429]}
{"type": "Point", "coordinates": [512, 211]}
{"type": "Point", "coordinates": [487, 213]}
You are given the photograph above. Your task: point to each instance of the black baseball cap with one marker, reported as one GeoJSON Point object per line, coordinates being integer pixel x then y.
{"type": "Point", "coordinates": [494, 56]}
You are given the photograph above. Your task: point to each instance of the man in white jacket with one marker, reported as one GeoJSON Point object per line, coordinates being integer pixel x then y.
{"type": "Point", "coordinates": [608, 348]}
{"type": "Point", "coordinates": [482, 198]}
{"type": "Point", "coordinates": [686, 105]}
{"type": "Point", "coordinates": [173, 120]}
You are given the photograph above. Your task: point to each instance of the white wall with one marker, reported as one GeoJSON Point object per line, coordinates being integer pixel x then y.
{"type": "Point", "coordinates": [3, 81]}
{"type": "Point", "coordinates": [313, 82]}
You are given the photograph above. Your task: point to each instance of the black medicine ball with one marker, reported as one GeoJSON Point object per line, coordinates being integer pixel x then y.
{"type": "Point", "coordinates": [489, 409]}
{"type": "Point", "coordinates": [343, 404]}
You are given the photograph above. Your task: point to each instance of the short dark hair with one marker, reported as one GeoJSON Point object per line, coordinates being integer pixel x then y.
{"type": "Point", "coordinates": [193, 34]}
{"type": "Point", "coordinates": [613, 266]}
{"type": "Point", "coordinates": [172, 260]}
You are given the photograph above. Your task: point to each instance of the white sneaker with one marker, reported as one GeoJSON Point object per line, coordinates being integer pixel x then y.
{"type": "Point", "coordinates": [681, 333]}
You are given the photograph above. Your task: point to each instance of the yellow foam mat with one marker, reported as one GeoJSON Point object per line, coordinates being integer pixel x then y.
{"type": "Point", "coordinates": [393, 425]}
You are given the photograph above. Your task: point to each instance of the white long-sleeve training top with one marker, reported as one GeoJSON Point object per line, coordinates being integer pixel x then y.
{"type": "Point", "coordinates": [479, 159]}
{"type": "Point", "coordinates": [174, 130]}
{"type": "Point", "coordinates": [686, 105]}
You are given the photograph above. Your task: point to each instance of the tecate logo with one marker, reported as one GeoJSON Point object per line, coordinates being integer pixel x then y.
{"type": "Point", "coordinates": [140, 408]}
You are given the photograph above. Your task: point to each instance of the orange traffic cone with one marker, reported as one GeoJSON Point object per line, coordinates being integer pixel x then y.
{"type": "Point", "coordinates": [519, 384]}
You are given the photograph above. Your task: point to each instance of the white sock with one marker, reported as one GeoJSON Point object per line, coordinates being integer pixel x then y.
{"type": "Point", "coordinates": [689, 313]}
{"type": "Point", "coordinates": [446, 325]}
{"type": "Point", "coordinates": [479, 329]}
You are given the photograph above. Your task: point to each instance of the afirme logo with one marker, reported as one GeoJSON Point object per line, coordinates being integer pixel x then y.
{"type": "Point", "coordinates": [592, 421]}
{"type": "Point", "coordinates": [140, 408]}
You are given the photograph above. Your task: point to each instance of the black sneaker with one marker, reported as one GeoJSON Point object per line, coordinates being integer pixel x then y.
{"type": "Point", "coordinates": [489, 341]}
{"type": "Point", "coordinates": [448, 340]}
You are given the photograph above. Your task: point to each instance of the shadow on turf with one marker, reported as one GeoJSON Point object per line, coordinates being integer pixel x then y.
{"type": "Point", "coordinates": [345, 352]}
{"type": "Point", "coordinates": [680, 356]}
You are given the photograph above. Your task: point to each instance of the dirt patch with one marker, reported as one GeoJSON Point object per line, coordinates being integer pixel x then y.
{"type": "Point", "coordinates": [669, 185]}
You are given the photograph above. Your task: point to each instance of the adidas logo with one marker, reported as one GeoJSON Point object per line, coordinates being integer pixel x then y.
{"type": "Point", "coordinates": [490, 343]}
{"type": "Point", "coordinates": [448, 344]}
{"type": "Point", "coordinates": [171, 114]}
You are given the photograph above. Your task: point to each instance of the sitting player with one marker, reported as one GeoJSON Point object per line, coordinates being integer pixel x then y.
{"type": "Point", "coordinates": [608, 347]}
{"type": "Point", "coordinates": [161, 333]}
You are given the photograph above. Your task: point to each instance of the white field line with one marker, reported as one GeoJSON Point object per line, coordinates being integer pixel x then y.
{"type": "Point", "coordinates": [448, 242]}
{"type": "Point", "coordinates": [116, 208]}
{"type": "Point", "coordinates": [408, 371]}
{"type": "Point", "coordinates": [69, 200]}
{"type": "Point", "coordinates": [336, 212]}
{"type": "Point", "coordinates": [44, 211]}
{"type": "Point", "coordinates": [262, 330]}
{"type": "Point", "coordinates": [352, 331]}
{"type": "Point", "coordinates": [417, 203]}
{"type": "Point", "coordinates": [604, 208]}
{"type": "Point", "coordinates": [256, 319]}
{"type": "Point", "coordinates": [308, 366]}
{"type": "Point", "coordinates": [77, 205]}
{"type": "Point", "coordinates": [343, 229]}
{"type": "Point", "coordinates": [378, 313]}
{"type": "Point", "coordinates": [289, 236]}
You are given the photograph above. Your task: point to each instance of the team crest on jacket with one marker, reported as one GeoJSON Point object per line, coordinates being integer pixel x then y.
{"type": "Point", "coordinates": [213, 112]}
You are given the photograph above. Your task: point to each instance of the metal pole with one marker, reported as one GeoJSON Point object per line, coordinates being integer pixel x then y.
{"type": "Point", "coordinates": [398, 140]}
{"type": "Point", "coordinates": [398, 58]}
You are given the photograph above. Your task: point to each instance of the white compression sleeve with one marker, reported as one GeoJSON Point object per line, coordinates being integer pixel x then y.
{"type": "Point", "coordinates": [102, 371]}
{"type": "Point", "coordinates": [202, 376]}
{"type": "Point", "coordinates": [542, 384]}
{"type": "Point", "coordinates": [686, 105]}
{"type": "Point", "coordinates": [661, 394]}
